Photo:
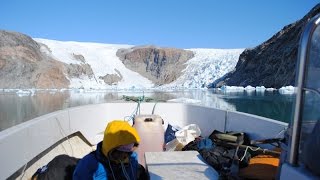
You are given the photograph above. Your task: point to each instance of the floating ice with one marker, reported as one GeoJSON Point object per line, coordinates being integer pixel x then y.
{"type": "Point", "coordinates": [260, 88]}
{"type": "Point", "coordinates": [232, 88]}
{"type": "Point", "coordinates": [185, 100]}
{"type": "Point", "coordinates": [250, 88]}
{"type": "Point", "coordinates": [287, 90]}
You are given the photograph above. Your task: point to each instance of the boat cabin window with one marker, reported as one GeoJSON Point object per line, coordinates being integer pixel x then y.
{"type": "Point", "coordinates": [311, 93]}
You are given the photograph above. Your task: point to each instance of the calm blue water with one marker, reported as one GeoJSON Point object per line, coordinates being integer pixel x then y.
{"type": "Point", "coordinates": [15, 109]}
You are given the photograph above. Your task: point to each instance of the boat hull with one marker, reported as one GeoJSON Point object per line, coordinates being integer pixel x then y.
{"type": "Point", "coordinates": [23, 143]}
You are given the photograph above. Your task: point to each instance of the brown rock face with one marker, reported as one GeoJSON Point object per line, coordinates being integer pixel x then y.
{"type": "Point", "coordinates": [51, 76]}
{"type": "Point", "coordinates": [22, 65]}
{"type": "Point", "coordinates": [112, 79]}
{"type": "Point", "coordinates": [273, 63]}
{"type": "Point", "coordinates": [160, 65]}
{"type": "Point", "coordinates": [77, 70]}
{"type": "Point", "coordinates": [79, 57]}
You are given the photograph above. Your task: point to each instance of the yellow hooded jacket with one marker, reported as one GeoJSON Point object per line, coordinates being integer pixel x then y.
{"type": "Point", "coordinates": [117, 133]}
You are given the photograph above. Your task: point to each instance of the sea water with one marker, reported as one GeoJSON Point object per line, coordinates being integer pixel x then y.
{"type": "Point", "coordinates": [16, 108]}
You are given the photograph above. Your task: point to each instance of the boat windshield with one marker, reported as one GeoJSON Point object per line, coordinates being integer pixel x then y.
{"type": "Point", "coordinates": [307, 111]}
{"type": "Point", "coordinates": [311, 100]}
{"type": "Point", "coordinates": [313, 66]}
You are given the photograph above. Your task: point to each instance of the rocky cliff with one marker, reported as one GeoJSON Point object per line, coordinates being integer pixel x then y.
{"type": "Point", "coordinates": [271, 64]}
{"type": "Point", "coordinates": [23, 65]}
{"type": "Point", "coordinates": [160, 65]}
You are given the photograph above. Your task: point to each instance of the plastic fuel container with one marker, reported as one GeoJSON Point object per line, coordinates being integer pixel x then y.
{"type": "Point", "coordinates": [151, 134]}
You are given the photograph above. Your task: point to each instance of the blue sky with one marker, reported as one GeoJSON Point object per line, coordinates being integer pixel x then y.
{"type": "Point", "coordinates": [165, 23]}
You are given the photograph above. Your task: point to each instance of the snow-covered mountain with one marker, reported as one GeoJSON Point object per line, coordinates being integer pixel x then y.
{"type": "Point", "coordinates": [102, 60]}
{"type": "Point", "coordinates": [206, 66]}
{"type": "Point", "coordinates": [33, 63]}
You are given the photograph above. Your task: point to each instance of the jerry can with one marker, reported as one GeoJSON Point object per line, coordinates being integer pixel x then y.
{"type": "Point", "coordinates": [151, 132]}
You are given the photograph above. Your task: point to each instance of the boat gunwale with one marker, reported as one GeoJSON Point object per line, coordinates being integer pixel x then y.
{"type": "Point", "coordinates": [23, 134]}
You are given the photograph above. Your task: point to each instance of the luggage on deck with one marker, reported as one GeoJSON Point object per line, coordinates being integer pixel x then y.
{"type": "Point", "coordinates": [183, 136]}
{"type": "Point", "coordinates": [221, 157]}
{"type": "Point", "coordinates": [261, 167]}
{"type": "Point", "coordinates": [188, 133]}
{"type": "Point", "coordinates": [230, 153]}
{"type": "Point", "coordinates": [233, 137]}
{"type": "Point", "coordinates": [60, 167]}
{"type": "Point", "coordinates": [169, 135]}
{"type": "Point", "coordinates": [198, 144]}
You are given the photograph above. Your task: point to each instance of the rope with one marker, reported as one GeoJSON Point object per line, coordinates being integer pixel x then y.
{"type": "Point", "coordinates": [23, 171]}
{"type": "Point", "coordinates": [64, 136]}
{"type": "Point", "coordinates": [111, 169]}
{"type": "Point", "coordinates": [271, 143]}
{"type": "Point", "coordinates": [252, 149]}
{"type": "Point", "coordinates": [133, 175]}
{"type": "Point", "coordinates": [284, 129]}
{"type": "Point", "coordinates": [124, 171]}
{"type": "Point", "coordinates": [133, 114]}
{"type": "Point", "coordinates": [136, 110]}
{"type": "Point", "coordinates": [154, 107]}
{"type": "Point", "coordinates": [138, 107]}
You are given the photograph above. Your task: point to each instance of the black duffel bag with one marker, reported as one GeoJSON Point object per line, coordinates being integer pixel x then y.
{"type": "Point", "coordinates": [60, 167]}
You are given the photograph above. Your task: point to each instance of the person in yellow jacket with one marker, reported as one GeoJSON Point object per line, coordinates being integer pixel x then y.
{"type": "Point", "coordinates": [115, 157]}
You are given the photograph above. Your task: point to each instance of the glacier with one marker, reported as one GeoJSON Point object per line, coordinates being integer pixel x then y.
{"type": "Point", "coordinates": [205, 67]}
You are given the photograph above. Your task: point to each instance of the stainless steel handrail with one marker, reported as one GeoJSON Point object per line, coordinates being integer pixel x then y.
{"type": "Point", "coordinates": [303, 56]}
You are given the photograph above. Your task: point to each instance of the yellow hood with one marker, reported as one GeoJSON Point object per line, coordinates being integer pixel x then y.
{"type": "Point", "coordinates": [117, 133]}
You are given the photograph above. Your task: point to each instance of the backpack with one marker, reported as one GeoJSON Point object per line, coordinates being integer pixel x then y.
{"type": "Point", "coordinates": [198, 144]}
{"type": "Point", "coordinates": [60, 167]}
{"type": "Point", "coordinates": [169, 135]}
{"type": "Point", "coordinates": [233, 137]}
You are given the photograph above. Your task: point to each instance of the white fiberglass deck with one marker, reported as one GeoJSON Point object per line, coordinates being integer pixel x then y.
{"type": "Point", "coordinates": [178, 165]}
